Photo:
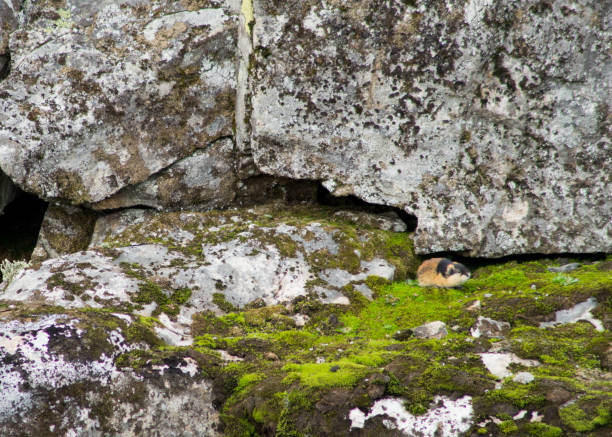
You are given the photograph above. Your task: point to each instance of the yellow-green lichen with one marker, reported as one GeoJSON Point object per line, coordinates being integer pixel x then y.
{"type": "Point", "coordinates": [247, 12]}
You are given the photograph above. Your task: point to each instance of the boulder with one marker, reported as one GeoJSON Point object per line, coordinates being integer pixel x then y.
{"type": "Point", "coordinates": [205, 179]}
{"type": "Point", "coordinates": [60, 374]}
{"type": "Point", "coordinates": [177, 264]}
{"type": "Point", "coordinates": [103, 95]}
{"type": "Point", "coordinates": [65, 229]}
{"type": "Point", "coordinates": [488, 121]}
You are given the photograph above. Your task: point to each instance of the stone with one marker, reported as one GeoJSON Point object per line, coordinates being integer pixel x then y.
{"type": "Point", "coordinates": [523, 377]}
{"type": "Point", "coordinates": [445, 417]}
{"type": "Point", "coordinates": [60, 368]}
{"type": "Point", "coordinates": [104, 95]}
{"type": "Point", "coordinates": [271, 356]}
{"type": "Point", "coordinates": [465, 115]}
{"type": "Point", "coordinates": [489, 328]}
{"type": "Point", "coordinates": [435, 329]}
{"type": "Point", "coordinates": [498, 363]}
{"type": "Point", "coordinates": [564, 268]}
{"type": "Point", "coordinates": [203, 180]}
{"type": "Point", "coordinates": [580, 311]}
{"type": "Point", "coordinates": [217, 261]}
{"type": "Point", "coordinates": [403, 334]}
{"type": "Point", "coordinates": [8, 191]}
{"type": "Point", "coordinates": [558, 395]}
{"type": "Point", "coordinates": [65, 229]}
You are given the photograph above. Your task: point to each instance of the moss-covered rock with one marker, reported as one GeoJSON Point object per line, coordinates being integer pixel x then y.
{"type": "Point", "coordinates": [309, 365]}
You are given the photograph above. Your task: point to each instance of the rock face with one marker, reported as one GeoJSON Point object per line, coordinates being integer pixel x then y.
{"type": "Point", "coordinates": [494, 132]}
{"type": "Point", "coordinates": [182, 263]}
{"type": "Point", "coordinates": [489, 122]}
{"type": "Point", "coordinates": [58, 376]}
{"type": "Point", "coordinates": [103, 95]}
{"type": "Point", "coordinates": [7, 191]}
{"type": "Point", "coordinates": [65, 229]}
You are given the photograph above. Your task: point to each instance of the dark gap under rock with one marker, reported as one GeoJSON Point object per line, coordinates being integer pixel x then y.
{"type": "Point", "coordinates": [324, 197]}
{"type": "Point", "coordinates": [5, 65]}
{"type": "Point", "coordinates": [561, 258]}
{"type": "Point", "coordinates": [263, 189]}
{"type": "Point", "coordinates": [19, 226]}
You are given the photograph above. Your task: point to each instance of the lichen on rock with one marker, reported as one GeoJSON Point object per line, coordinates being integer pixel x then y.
{"type": "Point", "coordinates": [90, 110]}
{"type": "Point", "coordinates": [466, 115]}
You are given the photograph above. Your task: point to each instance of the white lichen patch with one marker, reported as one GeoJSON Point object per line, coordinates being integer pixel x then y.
{"type": "Point", "coordinates": [581, 311]}
{"type": "Point", "coordinates": [498, 363]}
{"type": "Point", "coordinates": [446, 417]}
{"type": "Point", "coordinates": [376, 267]}
{"type": "Point", "coordinates": [73, 281]}
{"type": "Point", "coordinates": [34, 365]}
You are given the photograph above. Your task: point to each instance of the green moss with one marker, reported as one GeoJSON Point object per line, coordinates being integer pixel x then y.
{"type": "Point", "coordinates": [400, 306]}
{"type": "Point", "coordinates": [581, 420]}
{"type": "Point", "coordinates": [563, 347]}
{"type": "Point", "coordinates": [537, 429]}
{"type": "Point", "coordinates": [222, 303]}
{"type": "Point", "coordinates": [343, 373]}
{"type": "Point", "coordinates": [248, 379]}
{"type": "Point", "coordinates": [508, 427]}
{"type": "Point", "coordinates": [519, 395]}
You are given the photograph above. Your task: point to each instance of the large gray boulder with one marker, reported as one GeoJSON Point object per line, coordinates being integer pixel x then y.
{"type": "Point", "coordinates": [490, 121]}
{"type": "Point", "coordinates": [60, 374]}
{"type": "Point", "coordinates": [181, 263]}
{"type": "Point", "coordinates": [102, 95]}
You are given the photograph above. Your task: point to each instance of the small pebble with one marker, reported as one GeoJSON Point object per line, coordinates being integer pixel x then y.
{"type": "Point", "coordinates": [564, 268]}
{"type": "Point", "coordinates": [523, 378]}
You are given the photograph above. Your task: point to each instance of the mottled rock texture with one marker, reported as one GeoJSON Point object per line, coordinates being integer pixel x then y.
{"type": "Point", "coordinates": [182, 263]}
{"type": "Point", "coordinates": [59, 375]}
{"type": "Point", "coordinates": [65, 229]}
{"type": "Point", "coordinates": [102, 95]}
{"type": "Point", "coordinates": [7, 191]}
{"type": "Point", "coordinates": [490, 121]}
{"type": "Point", "coordinates": [205, 179]}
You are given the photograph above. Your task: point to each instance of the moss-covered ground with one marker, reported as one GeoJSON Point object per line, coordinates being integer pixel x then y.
{"type": "Point", "coordinates": [299, 381]}
{"type": "Point", "coordinates": [286, 379]}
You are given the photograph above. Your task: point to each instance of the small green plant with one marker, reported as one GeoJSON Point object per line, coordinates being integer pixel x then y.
{"type": "Point", "coordinates": [564, 280]}
{"type": "Point", "coordinates": [9, 269]}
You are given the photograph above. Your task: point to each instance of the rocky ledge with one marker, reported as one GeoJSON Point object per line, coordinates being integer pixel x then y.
{"type": "Point", "coordinates": [297, 321]}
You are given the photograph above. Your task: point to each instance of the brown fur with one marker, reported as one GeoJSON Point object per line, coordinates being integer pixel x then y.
{"type": "Point", "coordinates": [441, 272]}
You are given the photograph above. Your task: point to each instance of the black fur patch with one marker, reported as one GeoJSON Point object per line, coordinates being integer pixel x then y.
{"type": "Point", "coordinates": [461, 269]}
{"type": "Point", "coordinates": [443, 266]}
